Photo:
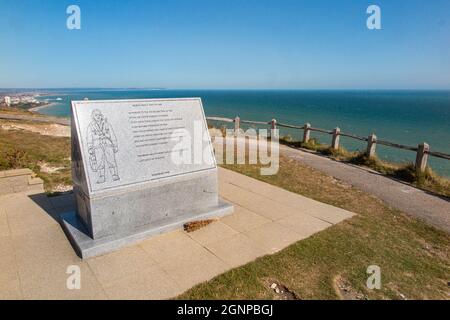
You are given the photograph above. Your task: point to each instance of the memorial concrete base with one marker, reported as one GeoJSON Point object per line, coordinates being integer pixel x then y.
{"type": "Point", "coordinates": [139, 168]}
{"type": "Point", "coordinates": [87, 247]}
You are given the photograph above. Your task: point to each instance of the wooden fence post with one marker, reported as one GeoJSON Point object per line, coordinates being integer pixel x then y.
{"type": "Point", "coordinates": [273, 127]}
{"type": "Point", "coordinates": [335, 140]}
{"type": "Point", "coordinates": [422, 156]}
{"type": "Point", "coordinates": [306, 133]}
{"type": "Point", "coordinates": [273, 124]}
{"type": "Point", "coordinates": [237, 125]}
{"type": "Point", "coordinates": [371, 145]}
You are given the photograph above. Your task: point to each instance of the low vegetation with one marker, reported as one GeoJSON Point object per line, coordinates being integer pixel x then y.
{"type": "Point", "coordinates": [47, 156]}
{"type": "Point", "coordinates": [414, 258]}
{"type": "Point", "coordinates": [195, 225]}
{"type": "Point", "coordinates": [428, 180]}
{"type": "Point", "coordinates": [15, 110]}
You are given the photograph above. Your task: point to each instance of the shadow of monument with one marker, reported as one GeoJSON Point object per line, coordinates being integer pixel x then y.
{"type": "Point", "coordinates": [54, 206]}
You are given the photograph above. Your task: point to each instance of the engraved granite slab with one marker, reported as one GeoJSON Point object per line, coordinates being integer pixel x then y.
{"type": "Point", "coordinates": [137, 167]}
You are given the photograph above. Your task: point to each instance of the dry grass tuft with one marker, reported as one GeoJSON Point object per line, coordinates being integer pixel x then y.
{"type": "Point", "coordinates": [195, 225]}
{"type": "Point", "coordinates": [429, 180]}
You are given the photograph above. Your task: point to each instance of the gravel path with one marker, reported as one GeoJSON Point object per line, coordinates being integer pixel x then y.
{"type": "Point", "coordinates": [432, 209]}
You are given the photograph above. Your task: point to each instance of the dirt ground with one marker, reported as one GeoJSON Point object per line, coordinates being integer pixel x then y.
{"type": "Point", "coordinates": [47, 129]}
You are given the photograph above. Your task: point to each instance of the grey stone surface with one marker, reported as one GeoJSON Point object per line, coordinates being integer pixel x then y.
{"type": "Point", "coordinates": [19, 180]}
{"type": "Point", "coordinates": [87, 247]}
{"type": "Point", "coordinates": [35, 253]}
{"type": "Point", "coordinates": [121, 211]}
{"type": "Point", "coordinates": [133, 141]}
{"type": "Point", "coordinates": [128, 183]}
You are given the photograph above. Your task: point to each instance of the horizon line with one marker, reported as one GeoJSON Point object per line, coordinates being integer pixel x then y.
{"type": "Point", "coordinates": [228, 89]}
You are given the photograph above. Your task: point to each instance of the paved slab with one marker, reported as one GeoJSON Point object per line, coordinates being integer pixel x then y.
{"type": "Point", "coordinates": [19, 180]}
{"type": "Point", "coordinates": [35, 253]}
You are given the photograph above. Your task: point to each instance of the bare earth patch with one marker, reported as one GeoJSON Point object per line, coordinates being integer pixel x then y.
{"type": "Point", "coordinates": [47, 168]}
{"type": "Point", "coordinates": [61, 188]}
{"type": "Point", "coordinates": [50, 129]}
{"type": "Point", "coordinates": [345, 291]}
{"type": "Point", "coordinates": [280, 291]}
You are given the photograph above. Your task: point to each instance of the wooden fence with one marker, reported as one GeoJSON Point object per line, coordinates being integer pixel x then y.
{"type": "Point", "coordinates": [422, 150]}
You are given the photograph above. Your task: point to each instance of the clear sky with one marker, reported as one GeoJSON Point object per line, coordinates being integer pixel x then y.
{"type": "Point", "coordinates": [245, 44]}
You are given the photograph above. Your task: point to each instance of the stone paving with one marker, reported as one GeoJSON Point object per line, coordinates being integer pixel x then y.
{"type": "Point", "coordinates": [35, 253]}
{"type": "Point", "coordinates": [19, 180]}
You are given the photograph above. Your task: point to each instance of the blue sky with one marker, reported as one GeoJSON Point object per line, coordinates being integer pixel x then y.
{"type": "Point", "coordinates": [239, 44]}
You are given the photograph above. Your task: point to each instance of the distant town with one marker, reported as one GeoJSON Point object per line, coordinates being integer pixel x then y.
{"type": "Point", "coordinates": [21, 100]}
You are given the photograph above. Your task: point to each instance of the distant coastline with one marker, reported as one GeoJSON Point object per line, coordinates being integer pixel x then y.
{"type": "Point", "coordinates": [407, 117]}
{"type": "Point", "coordinates": [41, 107]}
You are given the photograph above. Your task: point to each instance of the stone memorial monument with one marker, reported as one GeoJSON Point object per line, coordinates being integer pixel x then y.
{"type": "Point", "coordinates": [139, 168]}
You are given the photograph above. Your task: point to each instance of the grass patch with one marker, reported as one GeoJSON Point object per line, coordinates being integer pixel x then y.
{"type": "Point", "coordinates": [15, 111]}
{"type": "Point", "coordinates": [414, 257]}
{"type": "Point", "coordinates": [24, 149]}
{"type": "Point", "coordinates": [428, 180]}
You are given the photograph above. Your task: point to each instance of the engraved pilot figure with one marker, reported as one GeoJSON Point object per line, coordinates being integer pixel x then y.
{"type": "Point", "coordinates": [102, 146]}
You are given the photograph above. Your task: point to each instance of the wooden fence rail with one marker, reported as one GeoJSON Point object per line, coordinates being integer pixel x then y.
{"type": "Point", "coordinates": [396, 145]}
{"type": "Point", "coordinates": [320, 130]}
{"type": "Point", "coordinates": [439, 155]}
{"type": "Point", "coordinates": [422, 150]}
{"type": "Point", "coordinates": [254, 122]}
{"type": "Point", "coordinates": [349, 135]}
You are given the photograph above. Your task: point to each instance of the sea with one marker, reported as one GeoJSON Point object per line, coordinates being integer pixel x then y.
{"type": "Point", "coordinates": [401, 116]}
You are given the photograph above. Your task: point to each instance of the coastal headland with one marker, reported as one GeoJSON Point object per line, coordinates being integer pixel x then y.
{"type": "Point", "coordinates": [426, 201]}
{"type": "Point", "coordinates": [378, 223]}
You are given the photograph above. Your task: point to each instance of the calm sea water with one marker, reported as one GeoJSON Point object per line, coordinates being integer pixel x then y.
{"type": "Point", "coordinates": [405, 117]}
